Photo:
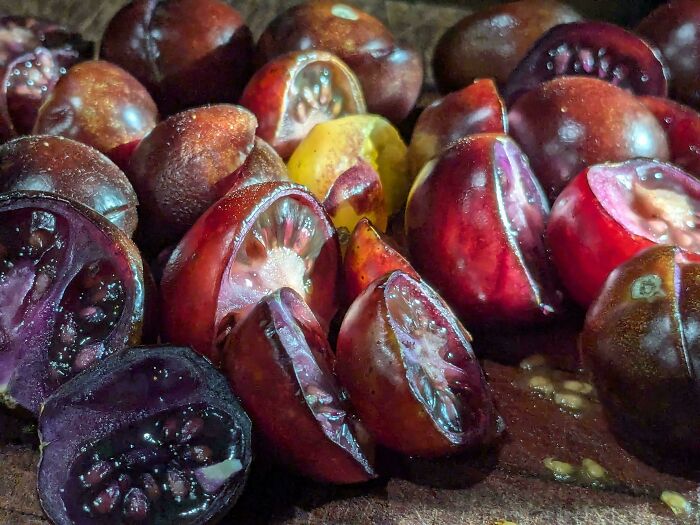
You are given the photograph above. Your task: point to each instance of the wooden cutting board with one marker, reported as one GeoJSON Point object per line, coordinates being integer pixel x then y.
{"type": "Point", "coordinates": [511, 483]}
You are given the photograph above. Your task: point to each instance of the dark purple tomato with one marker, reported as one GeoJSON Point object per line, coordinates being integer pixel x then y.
{"type": "Point", "coordinates": [595, 49]}
{"type": "Point", "coordinates": [675, 28]}
{"type": "Point", "coordinates": [72, 170]}
{"type": "Point", "coordinates": [641, 344]}
{"type": "Point", "coordinates": [72, 292]}
{"type": "Point", "coordinates": [280, 366]}
{"type": "Point", "coordinates": [152, 436]}
{"type": "Point", "coordinates": [186, 52]}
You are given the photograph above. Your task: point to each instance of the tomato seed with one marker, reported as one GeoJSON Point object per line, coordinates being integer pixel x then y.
{"type": "Point", "coordinates": [136, 505]}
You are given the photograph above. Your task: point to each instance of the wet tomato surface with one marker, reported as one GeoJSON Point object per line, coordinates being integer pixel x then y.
{"type": "Point", "coordinates": [280, 366]}
{"type": "Point", "coordinates": [410, 371]}
{"type": "Point", "coordinates": [154, 435]}
{"type": "Point", "coordinates": [610, 212]}
{"type": "Point", "coordinates": [250, 243]}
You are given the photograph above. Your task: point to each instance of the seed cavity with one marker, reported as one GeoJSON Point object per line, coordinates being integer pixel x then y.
{"type": "Point", "coordinates": [319, 94]}
{"type": "Point", "coordinates": [433, 355]}
{"type": "Point", "coordinates": [89, 310]}
{"type": "Point", "coordinates": [279, 250]}
{"type": "Point", "coordinates": [567, 59]}
{"type": "Point", "coordinates": [136, 505]}
{"type": "Point", "coordinates": [172, 464]}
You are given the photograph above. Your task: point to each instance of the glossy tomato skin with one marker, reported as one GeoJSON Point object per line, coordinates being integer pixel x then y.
{"type": "Point", "coordinates": [268, 366]}
{"type": "Point", "coordinates": [642, 348]}
{"type": "Point", "coordinates": [371, 364]}
{"type": "Point", "coordinates": [368, 257]}
{"type": "Point", "coordinates": [569, 123]}
{"type": "Point", "coordinates": [673, 26]}
{"type": "Point", "coordinates": [477, 108]}
{"type": "Point", "coordinates": [191, 281]}
{"type": "Point", "coordinates": [186, 52]}
{"type": "Point", "coordinates": [475, 224]}
{"type": "Point", "coordinates": [586, 243]}
{"type": "Point", "coordinates": [99, 104]}
{"type": "Point", "coordinates": [490, 42]}
{"type": "Point", "coordinates": [73, 170]}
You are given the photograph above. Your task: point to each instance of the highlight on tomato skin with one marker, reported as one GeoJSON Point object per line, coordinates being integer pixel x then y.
{"type": "Point", "coordinates": [73, 170]}
{"type": "Point", "coordinates": [669, 27]}
{"type": "Point", "coordinates": [410, 372]}
{"type": "Point", "coordinates": [641, 345]}
{"type": "Point", "coordinates": [476, 108]}
{"type": "Point", "coordinates": [481, 45]}
{"type": "Point", "coordinates": [280, 366]}
{"type": "Point", "coordinates": [99, 104]}
{"type": "Point", "coordinates": [293, 92]}
{"type": "Point", "coordinates": [569, 123]}
{"type": "Point", "coordinates": [610, 212]}
{"type": "Point", "coordinates": [253, 241]}
{"type": "Point", "coordinates": [475, 222]}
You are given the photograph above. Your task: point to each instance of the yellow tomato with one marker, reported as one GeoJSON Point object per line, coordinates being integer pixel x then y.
{"type": "Point", "coordinates": [333, 147]}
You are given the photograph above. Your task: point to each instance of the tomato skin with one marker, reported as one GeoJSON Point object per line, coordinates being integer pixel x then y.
{"type": "Point", "coordinates": [640, 344]}
{"type": "Point", "coordinates": [682, 126]}
{"type": "Point", "coordinates": [369, 257]}
{"type": "Point", "coordinates": [191, 281]}
{"type": "Point", "coordinates": [477, 108]}
{"type": "Point", "coordinates": [257, 356]}
{"type": "Point", "coordinates": [460, 234]}
{"type": "Point", "coordinates": [586, 243]}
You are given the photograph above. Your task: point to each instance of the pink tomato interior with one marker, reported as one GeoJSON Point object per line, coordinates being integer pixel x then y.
{"type": "Point", "coordinates": [656, 201]}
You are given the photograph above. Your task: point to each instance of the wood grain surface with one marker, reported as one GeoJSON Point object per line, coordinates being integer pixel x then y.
{"type": "Point", "coordinates": [510, 483]}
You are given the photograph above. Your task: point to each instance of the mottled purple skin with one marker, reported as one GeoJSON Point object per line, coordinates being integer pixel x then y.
{"type": "Point", "coordinates": [27, 322]}
{"type": "Point", "coordinates": [596, 49]}
{"type": "Point", "coordinates": [640, 342]}
{"type": "Point", "coordinates": [122, 392]}
{"type": "Point", "coordinates": [36, 50]}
